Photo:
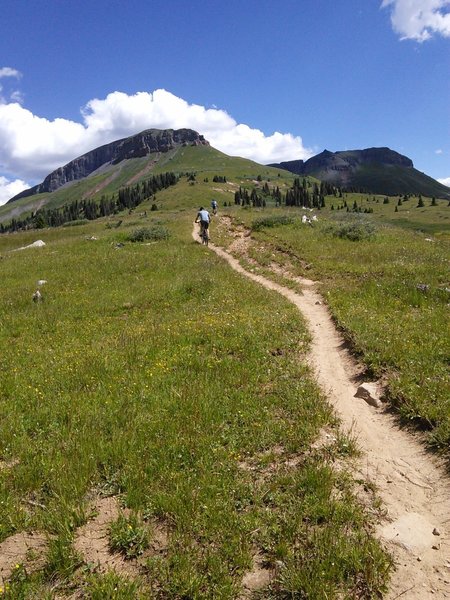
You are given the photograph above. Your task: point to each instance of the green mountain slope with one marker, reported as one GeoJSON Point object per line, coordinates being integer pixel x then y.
{"type": "Point", "coordinates": [205, 161]}
{"type": "Point", "coordinates": [373, 170]}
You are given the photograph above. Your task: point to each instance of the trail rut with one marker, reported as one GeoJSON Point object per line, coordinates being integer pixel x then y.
{"type": "Point", "coordinates": [412, 484]}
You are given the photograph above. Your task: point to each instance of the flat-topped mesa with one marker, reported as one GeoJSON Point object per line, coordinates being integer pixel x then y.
{"type": "Point", "coordinates": [372, 170]}
{"type": "Point", "coordinates": [135, 146]}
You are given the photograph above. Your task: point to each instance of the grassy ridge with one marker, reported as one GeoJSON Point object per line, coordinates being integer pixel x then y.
{"type": "Point", "coordinates": [204, 160]}
{"type": "Point", "coordinates": [156, 373]}
{"type": "Point", "coordinates": [389, 294]}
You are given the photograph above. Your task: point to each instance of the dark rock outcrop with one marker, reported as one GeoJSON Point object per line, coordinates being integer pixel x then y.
{"type": "Point", "coordinates": [142, 144]}
{"type": "Point", "coordinates": [346, 160]}
{"type": "Point", "coordinates": [373, 170]}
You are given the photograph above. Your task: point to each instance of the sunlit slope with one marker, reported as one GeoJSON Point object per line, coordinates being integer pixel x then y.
{"type": "Point", "coordinates": [204, 161]}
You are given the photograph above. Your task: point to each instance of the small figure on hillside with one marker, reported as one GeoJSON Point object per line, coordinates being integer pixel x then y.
{"type": "Point", "coordinates": [214, 206]}
{"type": "Point", "coordinates": [203, 217]}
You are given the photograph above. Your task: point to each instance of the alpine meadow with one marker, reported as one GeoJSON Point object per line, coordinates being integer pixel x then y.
{"type": "Point", "coordinates": [164, 432]}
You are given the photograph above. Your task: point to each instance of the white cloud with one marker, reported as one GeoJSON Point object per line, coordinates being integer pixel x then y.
{"type": "Point", "coordinates": [17, 96]}
{"type": "Point", "coordinates": [32, 146]}
{"type": "Point", "coordinates": [439, 151]}
{"type": "Point", "coordinates": [9, 72]}
{"type": "Point", "coordinates": [419, 19]}
{"type": "Point", "coordinates": [445, 181]}
{"type": "Point", "coordinates": [8, 188]}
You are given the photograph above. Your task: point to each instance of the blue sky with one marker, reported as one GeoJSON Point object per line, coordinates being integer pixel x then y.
{"type": "Point", "coordinates": [266, 79]}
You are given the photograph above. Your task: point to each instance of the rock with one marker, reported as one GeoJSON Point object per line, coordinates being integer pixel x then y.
{"type": "Point", "coordinates": [37, 296]}
{"type": "Point", "coordinates": [422, 287]}
{"type": "Point", "coordinates": [36, 244]}
{"type": "Point", "coordinates": [410, 531]}
{"type": "Point", "coordinates": [369, 392]}
{"type": "Point", "coordinates": [436, 531]}
{"type": "Point", "coordinates": [42, 282]}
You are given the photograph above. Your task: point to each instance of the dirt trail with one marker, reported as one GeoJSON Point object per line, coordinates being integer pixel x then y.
{"type": "Point", "coordinates": [411, 483]}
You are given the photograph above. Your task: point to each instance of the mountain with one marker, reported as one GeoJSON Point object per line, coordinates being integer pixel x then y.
{"type": "Point", "coordinates": [373, 170]}
{"type": "Point", "coordinates": [136, 146]}
{"type": "Point", "coordinates": [101, 173]}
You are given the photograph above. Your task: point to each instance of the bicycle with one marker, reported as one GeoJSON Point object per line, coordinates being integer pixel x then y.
{"type": "Point", "coordinates": [204, 236]}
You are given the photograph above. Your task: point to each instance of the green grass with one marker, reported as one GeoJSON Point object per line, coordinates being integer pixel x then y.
{"type": "Point", "coordinates": [155, 372]}
{"type": "Point", "coordinates": [389, 294]}
{"type": "Point", "coordinates": [129, 536]}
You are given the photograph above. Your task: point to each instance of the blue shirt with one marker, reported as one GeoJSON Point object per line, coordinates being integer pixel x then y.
{"type": "Point", "coordinates": [203, 215]}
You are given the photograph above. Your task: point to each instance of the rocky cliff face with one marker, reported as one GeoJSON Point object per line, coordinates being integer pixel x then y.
{"type": "Point", "coordinates": [375, 170]}
{"type": "Point", "coordinates": [346, 161]}
{"type": "Point", "coordinates": [146, 142]}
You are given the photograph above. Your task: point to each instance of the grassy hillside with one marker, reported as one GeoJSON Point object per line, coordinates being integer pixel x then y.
{"type": "Point", "coordinates": [153, 373]}
{"type": "Point", "coordinates": [387, 287]}
{"type": "Point", "coordinates": [204, 160]}
{"type": "Point", "coordinates": [393, 180]}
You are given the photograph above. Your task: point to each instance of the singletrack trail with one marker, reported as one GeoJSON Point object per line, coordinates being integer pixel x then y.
{"type": "Point", "coordinates": [411, 483]}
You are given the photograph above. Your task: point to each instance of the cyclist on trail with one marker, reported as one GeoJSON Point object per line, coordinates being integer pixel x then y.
{"type": "Point", "coordinates": [214, 206]}
{"type": "Point", "coordinates": [203, 217]}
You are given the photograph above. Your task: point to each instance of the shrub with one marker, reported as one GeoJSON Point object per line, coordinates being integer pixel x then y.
{"type": "Point", "coordinates": [75, 223]}
{"type": "Point", "coordinates": [353, 230]}
{"type": "Point", "coordinates": [154, 233]}
{"type": "Point", "coordinates": [273, 221]}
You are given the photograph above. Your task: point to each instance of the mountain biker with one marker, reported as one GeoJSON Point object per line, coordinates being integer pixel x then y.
{"type": "Point", "coordinates": [203, 217]}
{"type": "Point", "coordinates": [214, 206]}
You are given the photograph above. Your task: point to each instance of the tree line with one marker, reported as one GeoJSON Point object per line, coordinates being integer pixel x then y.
{"type": "Point", "coordinates": [302, 193]}
{"type": "Point", "coordinates": [126, 198]}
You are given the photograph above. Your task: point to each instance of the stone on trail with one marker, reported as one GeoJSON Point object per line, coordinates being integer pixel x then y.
{"type": "Point", "coordinates": [411, 531]}
{"type": "Point", "coordinates": [369, 392]}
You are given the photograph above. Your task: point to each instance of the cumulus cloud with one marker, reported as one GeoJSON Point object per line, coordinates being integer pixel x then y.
{"type": "Point", "coordinates": [16, 95]}
{"type": "Point", "coordinates": [8, 188]}
{"type": "Point", "coordinates": [9, 72]}
{"type": "Point", "coordinates": [445, 181]}
{"type": "Point", "coordinates": [419, 19]}
{"type": "Point", "coordinates": [32, 146]}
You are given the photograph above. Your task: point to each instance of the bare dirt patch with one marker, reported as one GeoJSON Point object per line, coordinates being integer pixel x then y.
{"type": "Point", "coordinates": [257, 579]}
{"type": "Point", "coordinates": [27, 549]}
{"type": "Point", "coordinates": [92, 541]}
{"type": "Point", "coordinates": [412, 484]}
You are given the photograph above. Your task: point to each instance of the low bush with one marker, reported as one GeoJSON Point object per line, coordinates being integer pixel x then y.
{"type": "Point", "coordinates": [354, 230]}
{"type": "Point", "coordinates": [75, 223]}
{"type": "Point", "coordinates": [273, 221]}
{"type": "Point", "coordinates": [153, 233]}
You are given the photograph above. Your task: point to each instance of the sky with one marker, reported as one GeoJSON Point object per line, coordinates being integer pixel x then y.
{"type": "Point", "coordinates": [269, 80]}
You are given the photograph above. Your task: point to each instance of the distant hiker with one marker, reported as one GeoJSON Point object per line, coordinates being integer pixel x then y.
{"type": "Point", "coordinates": [214, 206]}
{"type": "Point", "coordinates": [203, 217]}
